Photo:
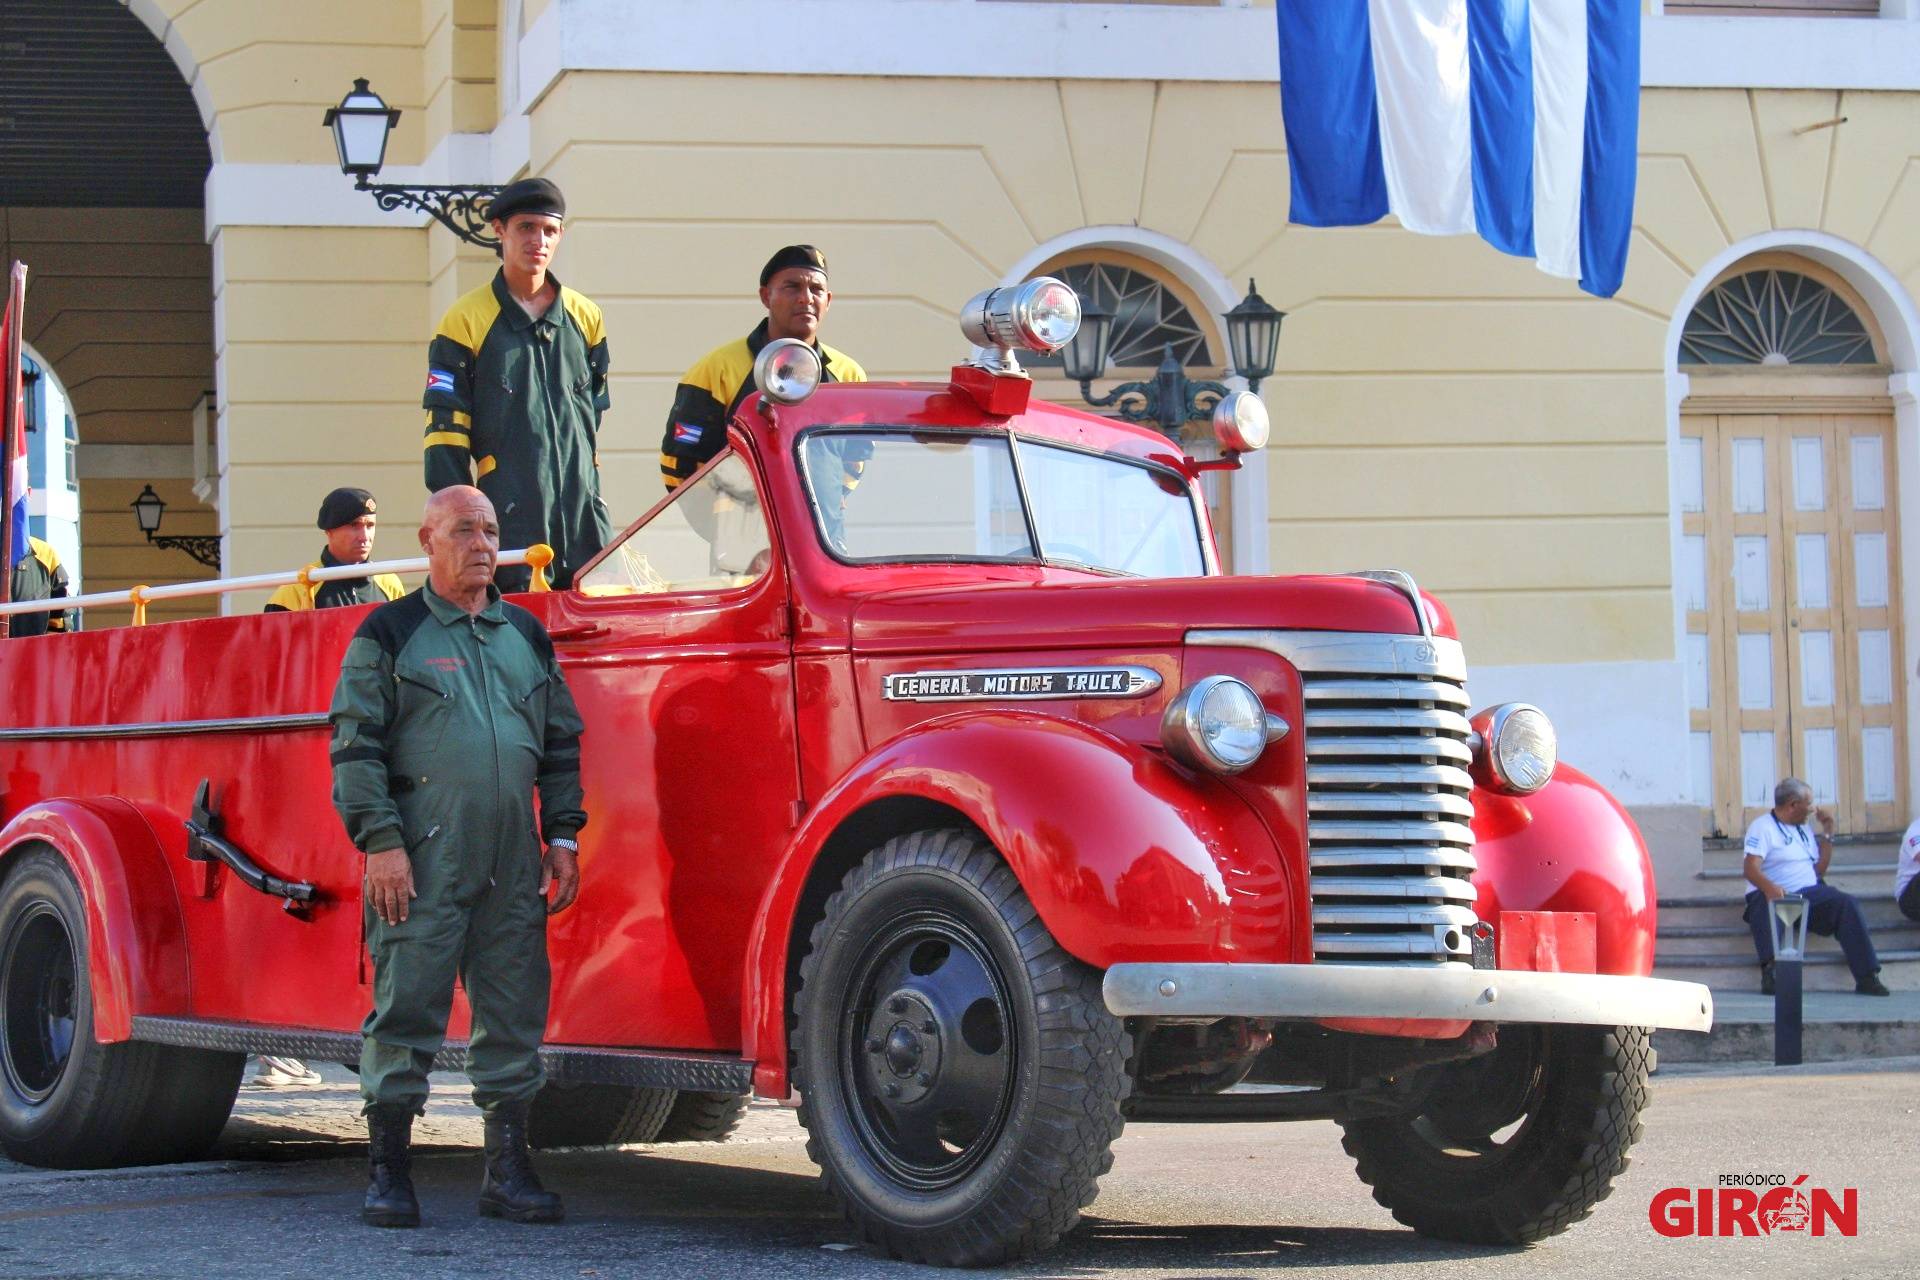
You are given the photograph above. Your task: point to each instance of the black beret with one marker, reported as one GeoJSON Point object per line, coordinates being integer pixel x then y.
{"type": "Point", "coordinates": [529, 195]}
{"type": "Point", "coordinates": [344, 506]}
{"type": "Point", "coordinates": [794, 255]}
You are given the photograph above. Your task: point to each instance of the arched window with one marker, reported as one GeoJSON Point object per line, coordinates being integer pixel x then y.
{"type": "Point", "coordinates": [1148, 314]}
{"type": "Point", "coordinates": [1775, 317]}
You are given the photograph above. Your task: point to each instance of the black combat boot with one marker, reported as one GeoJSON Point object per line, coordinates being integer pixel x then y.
{"type": "Point", "coordinates": [390, 1199]}
{"type": "Point", "coordinates": [511, 1189]}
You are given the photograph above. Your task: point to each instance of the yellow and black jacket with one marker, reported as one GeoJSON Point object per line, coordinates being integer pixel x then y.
{"type": "Point", "coordinates": [710, 392]}
{"type": "Point", "coordinates": [513, 406]}
{"type": "Point", "coordinates": [39, 575]}
{"type": "Point", "coordinates": [335, 593]}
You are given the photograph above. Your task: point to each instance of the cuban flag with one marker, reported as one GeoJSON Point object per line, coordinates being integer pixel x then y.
{"type": "Point", "coordinates": [14, 422]}
{"type": "Point", "coordinates": [1515, 119]}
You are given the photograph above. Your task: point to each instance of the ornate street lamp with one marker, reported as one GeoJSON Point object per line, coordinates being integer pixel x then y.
{"type": "Point", "coordinates": [360, 127]}
{"type": "Point", "coordinates": [149, 507]}
{"type": "Point", "coordinates": [1172, 399]}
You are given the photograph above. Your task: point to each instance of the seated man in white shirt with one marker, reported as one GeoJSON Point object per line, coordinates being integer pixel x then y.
{"type": "Point", "coordinates": [1906, 874]}
{"type": "Point", "coordinates": [1784, 856]}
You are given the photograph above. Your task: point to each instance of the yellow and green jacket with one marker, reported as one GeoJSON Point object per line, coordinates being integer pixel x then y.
{"type": "Point", "coordinates": [335, 593]}
{"type": "Point", "coordinates": [513, 406]}
{"type": "Point", "coordinates": [39, 575]}
{"type": "Point", "coordinates": [704, 402]}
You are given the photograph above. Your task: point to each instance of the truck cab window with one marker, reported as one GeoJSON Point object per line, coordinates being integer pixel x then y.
{"type": "Point", "coordinates": [711, 537]}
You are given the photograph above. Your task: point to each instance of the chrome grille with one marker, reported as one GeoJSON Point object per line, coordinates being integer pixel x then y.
{"type": "Point", "coordinates": [1388, 807]}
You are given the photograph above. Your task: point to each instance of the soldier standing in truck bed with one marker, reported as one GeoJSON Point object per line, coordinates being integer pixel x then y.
{"type": "Point", "coordinates": [450, 712]}
{"type": "Point", "coordinates": [516, 385]}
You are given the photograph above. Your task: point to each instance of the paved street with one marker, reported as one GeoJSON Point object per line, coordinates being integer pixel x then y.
{"type": "Point", "coordinates": [1181, 1201]}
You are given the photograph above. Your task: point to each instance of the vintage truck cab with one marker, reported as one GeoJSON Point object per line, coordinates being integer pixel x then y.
{"type": "Point", "coordinates": [939, 779]}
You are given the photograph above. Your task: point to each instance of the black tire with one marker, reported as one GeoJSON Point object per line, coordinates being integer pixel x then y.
{"type": "Point", "coordinates": [1516, 1146]}
{"type": "Point", "coordinates": [932, 975]}
{"type": "Point", "coordinates": [595, 1115]}
{"type": "Point", "coordinates": [67, 1102]}
{"type": "Point", "coordinates": [702, 1117]}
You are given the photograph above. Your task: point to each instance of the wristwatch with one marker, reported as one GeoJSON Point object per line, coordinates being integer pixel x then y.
{"type": "Point", "coordinates": [562, 842]}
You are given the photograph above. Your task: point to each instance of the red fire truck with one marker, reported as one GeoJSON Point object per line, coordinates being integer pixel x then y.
{"type": "Point", "coordinates": [939, 778]}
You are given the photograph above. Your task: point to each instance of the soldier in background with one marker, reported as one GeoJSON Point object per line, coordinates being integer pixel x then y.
{"type": "Point", "coordinates": [347, 517]}
{"type": "Point", "coordinates": [39, 575]}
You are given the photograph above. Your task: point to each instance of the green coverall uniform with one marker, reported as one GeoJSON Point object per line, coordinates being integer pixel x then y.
{"type": "Point", "coordinates": [444, 725]}
{"type": "Point", "coordinates": [513, 406]}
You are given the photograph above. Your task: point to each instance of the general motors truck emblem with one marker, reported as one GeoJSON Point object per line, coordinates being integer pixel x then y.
{"type": "Point", "coordinates": [976, 685]}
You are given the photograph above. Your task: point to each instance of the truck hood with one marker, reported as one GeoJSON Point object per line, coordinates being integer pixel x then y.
{"type": "Point", "coordinates": [1128, 613]}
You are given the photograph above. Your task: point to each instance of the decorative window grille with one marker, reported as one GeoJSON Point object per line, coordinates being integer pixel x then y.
{"type": "Point", "coordinates": [1774, 318]}
{"type": "Point", "coordinates": [1147, 315]}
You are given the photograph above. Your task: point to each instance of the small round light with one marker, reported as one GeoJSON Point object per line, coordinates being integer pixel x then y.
{"type": "Point", "coordinates": [787, 371]}
{"type": "Point", "coordinates": [1041, 314]}
{"type": "Point", "coordinates": [1521, 748]}
{"type": "Point", "coordinates": [1240, 422]}
{"type": "Point", "coordinates": [1217, 723]}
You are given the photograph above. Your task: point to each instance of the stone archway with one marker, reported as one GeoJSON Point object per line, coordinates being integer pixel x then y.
{"type": "Point", "coordinates": [104, 173]}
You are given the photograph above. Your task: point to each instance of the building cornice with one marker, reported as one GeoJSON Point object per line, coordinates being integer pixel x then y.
{"type": "Point", "coordinates": [972, 39]}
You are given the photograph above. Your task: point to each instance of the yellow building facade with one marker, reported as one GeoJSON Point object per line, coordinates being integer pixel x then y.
{"type": "Point", "coordinates": [1557, 467]}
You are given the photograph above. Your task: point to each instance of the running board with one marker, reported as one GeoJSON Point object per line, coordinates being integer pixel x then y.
{"type": "Point", "coordinates": [565, 1064]}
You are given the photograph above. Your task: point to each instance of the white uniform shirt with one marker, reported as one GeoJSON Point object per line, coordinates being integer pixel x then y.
{"type": "Point", "coordinates": [1909, 865]}
{"type": "Point", "coordinates": [1788, 853]}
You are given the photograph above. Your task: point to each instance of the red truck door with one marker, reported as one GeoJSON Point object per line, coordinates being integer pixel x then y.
{"type": "Point", "coordinates": [677, 647]}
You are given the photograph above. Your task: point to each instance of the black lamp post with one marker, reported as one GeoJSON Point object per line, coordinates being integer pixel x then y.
{"type": "Point", "coordinates": [1171, 398]}
{"type": "Point", "coordinates": [360, 127]}
{"type": "Point", "coordinates": [149, 507]}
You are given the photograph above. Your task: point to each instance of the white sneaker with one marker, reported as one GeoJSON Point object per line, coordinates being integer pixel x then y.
{"type": "Point", "coordinates": [280, 1073]}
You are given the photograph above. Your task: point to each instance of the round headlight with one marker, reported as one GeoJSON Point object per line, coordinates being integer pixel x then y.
{"type": "Point", "coordinates": [1520, 747]}
{"type": "Point", "coordinates": [1240, 422]}
{"type": "Point", "coordinates": [787, 370]}
{"type": "Point", "coordinates": [1041, 314]}
{"type": "Point", "coordinates": [1217, 723]}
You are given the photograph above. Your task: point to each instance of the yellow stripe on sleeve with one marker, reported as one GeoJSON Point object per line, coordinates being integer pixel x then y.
{"type": "Point", "coordinates": [487, 464]}
{"type": "Point", "coordinates": [458, 439]}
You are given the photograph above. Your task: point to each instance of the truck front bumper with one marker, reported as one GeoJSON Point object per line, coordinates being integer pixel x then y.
{"type": "Point", "coordinates": [1448, 993]}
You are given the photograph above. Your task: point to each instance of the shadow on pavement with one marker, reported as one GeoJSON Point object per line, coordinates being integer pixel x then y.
{"type": "Point", "coordinates": [1103, 1247]}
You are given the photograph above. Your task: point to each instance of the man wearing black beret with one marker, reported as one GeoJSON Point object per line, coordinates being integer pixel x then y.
{"type": "Point", "coordinates": [347, 517]}
{"type": "Point", "coordinates": [793, 289]}
{"type": "Point", "coordinates": [516, 385]}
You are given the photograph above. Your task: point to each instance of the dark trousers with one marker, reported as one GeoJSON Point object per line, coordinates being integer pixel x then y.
{"type": "Point", "coordinates": [1831, 913]}
{"type": "Point", "coordinates": [1910, 899]}
{"type": "Point", "coordinates": [491, 931]}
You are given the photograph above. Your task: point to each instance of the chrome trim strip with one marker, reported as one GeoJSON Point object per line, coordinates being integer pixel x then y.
{"type": "Point", "coordinates": [1368, 774]}
{"type": "Point", "coordinates": [1390, 718]}
{"type": "Point", "coordinates": [1141, 681]}
{"type": "Point", "coordinates": [1449, 992]}
{"type": "Point", "coordinates": [1396, 913]}
{"type": "Point", "coordinates": [1403, 888]}
{"type": "Point", "coordinates": [1391, 830]}
{"type": "Point", "coordinates": [1333, 746]}
{"type": "Point", "coordinates": [1368, 690]}
{"type": "Point", "coordinates": [1403, 581]}
{"type": "Point", "coordinates": [1446, 857]}
{"type": "Point", "coordinates": [167, 728]}
{"type": "Point", "coordinates": [1347, 652]}
{"type": "Point", "coordinates": [1389, 802]}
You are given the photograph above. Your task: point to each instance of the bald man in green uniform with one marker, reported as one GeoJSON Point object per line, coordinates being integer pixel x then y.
{"type": "Point", "coordinates": [516, 386]}
{"type": "Point", "coordinates": [450, 713]}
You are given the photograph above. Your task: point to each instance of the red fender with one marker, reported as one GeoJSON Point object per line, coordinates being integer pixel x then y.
{"type": "Point", "coordinates": [136, 940]}
{"type": "Point", "coordinates": [1568, 847]}
{"type": "Point", "coordinates": [1151, 863]}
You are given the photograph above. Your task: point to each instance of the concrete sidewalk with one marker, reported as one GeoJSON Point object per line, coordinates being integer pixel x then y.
{"type": "Point", "coordinates": [1836, 1027]}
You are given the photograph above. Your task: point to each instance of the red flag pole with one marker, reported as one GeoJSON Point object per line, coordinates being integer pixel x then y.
{"type": "Point", "coordinates": [12, 322]}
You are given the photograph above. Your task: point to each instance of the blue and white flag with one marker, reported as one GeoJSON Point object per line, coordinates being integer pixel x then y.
{"type": "Point", "coordinates": [1516, 119]}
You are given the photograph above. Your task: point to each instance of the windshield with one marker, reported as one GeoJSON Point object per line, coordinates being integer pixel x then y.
{"type": "Point", "coordinates": [892, 496]}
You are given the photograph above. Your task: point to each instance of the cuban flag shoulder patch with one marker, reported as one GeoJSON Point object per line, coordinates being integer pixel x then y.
{"type": "Point", "coordinates": [440, 380]}
{"type": "Point", "coordinates": [686, 433]}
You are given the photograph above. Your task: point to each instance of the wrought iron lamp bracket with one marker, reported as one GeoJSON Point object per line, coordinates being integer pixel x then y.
{"type": "Point", "coordinates": [461, 210]}
{"type": "Point", "coordinates": [202, 548]}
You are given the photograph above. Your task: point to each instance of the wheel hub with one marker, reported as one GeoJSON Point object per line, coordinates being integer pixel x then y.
{"type": "Point", "coordinates": [904, 1049]}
